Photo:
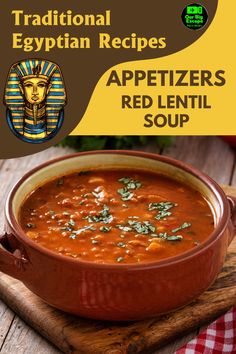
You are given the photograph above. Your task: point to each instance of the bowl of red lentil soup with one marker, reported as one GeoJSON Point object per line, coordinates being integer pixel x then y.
{"type": "Point", "coordinates": [116, 235]}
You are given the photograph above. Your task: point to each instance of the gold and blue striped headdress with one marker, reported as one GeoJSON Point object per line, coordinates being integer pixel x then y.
{"type": "Point", "coordinates": [15, 102]}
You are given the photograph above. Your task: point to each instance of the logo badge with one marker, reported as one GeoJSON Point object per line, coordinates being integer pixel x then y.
{"type": "Point", "coordinates": [35, 97]}
{"type": "Point", "coordinates": [194, 16]}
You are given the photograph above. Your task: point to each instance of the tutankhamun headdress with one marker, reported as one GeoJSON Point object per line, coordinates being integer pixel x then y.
{"type": "Point", "coordinates": [34, 122]}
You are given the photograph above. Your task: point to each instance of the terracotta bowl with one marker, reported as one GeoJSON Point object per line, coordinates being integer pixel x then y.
{"type": "Point", "coordinates": [119, 291]}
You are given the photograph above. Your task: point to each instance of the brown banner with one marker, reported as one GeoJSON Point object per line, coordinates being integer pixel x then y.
{"type": "Point", "coordinates": [82, 67]}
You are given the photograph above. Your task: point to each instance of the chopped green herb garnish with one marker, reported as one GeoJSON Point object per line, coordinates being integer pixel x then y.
{"type": "Point", "coordinates": [73, 236]}
{"type": "Point", "coordinates": [163, 208]}
{"type": "Point", "coordinates": [162, 214]}
{"type": "Point", "coordinates": [30, 225]}
{"type": "Point", "coordinates": [144, 227]}
{"type": "Point", "coordinates": [120, 259]}
{"type": "Point", "coordinates": [174, 238]}
{"type": "Point", "coordinates": [124, 180]}
{"type": "Point", "coordinates": [165, 236]}
{"type": "Point", "coordinates": [105, 228]}
{"type": "Point", "coordinates": [185, 225]}
{"type": "Point", "coordinates": [105, 211]}
{"type": "Point", "coordinates": [71, 222]}
{"type": "Point", "coordinates": [124, 228]}
{"type": "Point", "coordinates": [121, 244]}
{"type": "Point", "coordinates": [60, 182]}
{"type": "Point", "coordinates": [103, 216]}
{"type": "Point", "coordinates": [162, 235]}
{"type": "Point", "coordinates": [125, 194]}
{"type": "Point", "coordinates": [130, 184]}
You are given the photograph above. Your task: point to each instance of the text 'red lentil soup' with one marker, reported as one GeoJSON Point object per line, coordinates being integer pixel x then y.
{"type": "Point", "coordinates": [114, 216]}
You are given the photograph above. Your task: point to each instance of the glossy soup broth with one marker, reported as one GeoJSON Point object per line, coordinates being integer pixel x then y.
{"type": "Point", "coordinates": [116, 216]}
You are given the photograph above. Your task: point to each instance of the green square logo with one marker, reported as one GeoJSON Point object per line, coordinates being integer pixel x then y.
{"type": "Point", "coordinates": [194, 10]}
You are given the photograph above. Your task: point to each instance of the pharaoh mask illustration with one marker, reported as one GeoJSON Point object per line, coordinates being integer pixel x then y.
{"type": "Point", "coordinates": [35, 97]}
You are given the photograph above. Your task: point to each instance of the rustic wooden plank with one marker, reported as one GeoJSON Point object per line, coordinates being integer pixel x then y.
{"type": "Point", "coordinates": [209, 154]}
{"type": "Point", "coordinates": [22, 339]}
{"type": "Point", "coordinates": [6, 319]}
{"type": "Point", "coordinates": [77, 335]}
{"type": "Point", "coordinates": [175, 345]}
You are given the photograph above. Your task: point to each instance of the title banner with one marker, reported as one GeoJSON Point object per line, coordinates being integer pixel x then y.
{"type": "Point", "coordinates": [115, 68]}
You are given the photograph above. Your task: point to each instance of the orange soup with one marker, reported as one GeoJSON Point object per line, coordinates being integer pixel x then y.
{"type": "Point", "coordinates": [116, 216]}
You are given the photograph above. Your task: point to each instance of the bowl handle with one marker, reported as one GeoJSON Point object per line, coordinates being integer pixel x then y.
{"type": "Point", "coordinates": [13, 264]}
{"type": "Point", "coordinates": [232, 203]}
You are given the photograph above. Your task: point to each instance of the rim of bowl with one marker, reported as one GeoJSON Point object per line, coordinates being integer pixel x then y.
{"type": "Point", "coordinates": [208, 181]}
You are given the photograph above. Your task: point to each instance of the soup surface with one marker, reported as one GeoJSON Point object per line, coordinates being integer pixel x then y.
{"type": "Point", "coordinates": [116, 216]}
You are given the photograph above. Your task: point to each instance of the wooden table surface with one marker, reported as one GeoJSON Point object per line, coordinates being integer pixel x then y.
{"type": "Point", "coordinates": [210, 154]}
